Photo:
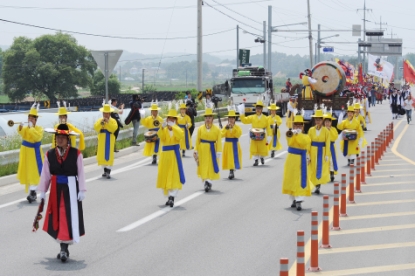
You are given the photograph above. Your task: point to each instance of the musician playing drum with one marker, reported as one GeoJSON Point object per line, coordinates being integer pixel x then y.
{"type": "Point", "coordinates": [333, 137]}
{"type": "Point", "coordinates": [208, 150]}
{"type": "Point", "coordinates": [296, 182]}
{"type": "Point", "coordinates": [274, 122]}
{"type": "Point", "coordinates": [185, 123]}
{"type": "Point", "coordinates": [105, 127]}
{"type": "Point", "coordinates": [259, 148]}
{"type": "Point", "coordinates": [153, 123]}
{"type": "Point", "coordinates": [31, 154]}
{"type": "Point", "coordinates": [320, 152]}
{"type": "Point", "coordinates": [170, 175]}
{"type": "Point", "coordinates": [350, 147]}
{"type": "Point", "coordinates": [232, 153]}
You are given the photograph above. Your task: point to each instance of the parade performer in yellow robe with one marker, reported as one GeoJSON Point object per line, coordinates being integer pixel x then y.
{"type": "Point", "coordinates": [274, 122]}
{"type": "Point", "coordinates": [105, 127]}
{"type": "Point", "coordinates": [320, 152]}
{"type": "Point", "coordinates": [63, 119]}
{"type": "Point", "coordinates": [153, 123]}
{"type": "Point", "coordinates": [333, 137]}
{"type": "Point", "coordinates": [358, 115]}
{"type": "Point", "coordinates": [185, 123]}
{"type": "Point", "coordinates": [366, 112]}
{"type": "Point", "coordinates": [208, 150]}
{"type": "Point", "coordinates": [232, 153]}
{"type": "Point", "coordinates": [259, 148]}
{"type": "Point", "coordinates": [31, 154]}
{"type": "Point", "coordinates": [348, 146]}
{"type": "Point", "coordinates": [170, 175]}
{"type": "Point", "coordinates": [296, 180]}
{"type": "Point", "coordinates": [291, 110]}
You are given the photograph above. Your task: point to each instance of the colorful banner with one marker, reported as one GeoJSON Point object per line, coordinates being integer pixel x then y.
{"type": "Point", "coordinates": [408, 72]}
{"type": "Point", "coordinates": [379, 67]}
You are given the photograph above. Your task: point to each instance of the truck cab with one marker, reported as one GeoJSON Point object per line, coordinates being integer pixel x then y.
{"type": "Point", "coordinates": [249, 84]}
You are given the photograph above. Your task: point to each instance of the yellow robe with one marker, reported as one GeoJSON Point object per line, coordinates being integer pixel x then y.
{"type": "Point", "coordinates": [168, 177]}
{"type": "Point", "coordinates": [258, 147]}
{"type": "Point", "coordinates": [72, 138]}
{"type": "Point", "coordinates": [30, 167]}
{"type": "Point", "coordinates": [205, 170]}
{"type": "Point", "coordinates": [333, 151]}
{"type": "Point", "coordinates": [272, 120]}
{"type": "Point", "coordinates": [292, 179]}
{"type": "Point", "coordinates": [323, 137]}
{"type": "Point", "coordinates": [290, 115]}
{"type": "Point", "coordinates": [228, 157]}
{"type": "Point", "coordinates": [353, 145]}
{"type": "Point", "coordinates": [361, 120]}
{"type": "Point", "coordinates": [182, 121]}
{"type": "Point", "coordinates": [366, 112]}
{"type": "Point", "coordinates": [111, 127]}
{"type": "Point", "coordinates": [150, 148]}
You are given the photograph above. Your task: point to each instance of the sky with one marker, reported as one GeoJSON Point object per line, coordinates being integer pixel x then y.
{"type": "Point", "coordinates": [157, 25]}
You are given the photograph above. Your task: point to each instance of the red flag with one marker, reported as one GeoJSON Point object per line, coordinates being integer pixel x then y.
{"type": "Point", "coordinates": [408, 72]}
{"type": "Point", "coordinates": [360, 75]}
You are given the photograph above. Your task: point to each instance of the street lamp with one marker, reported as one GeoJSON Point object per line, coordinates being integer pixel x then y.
{"type": "Point", "coordinates": [319, 45]}
{"type": "Point", "coordinates": [261, 39]}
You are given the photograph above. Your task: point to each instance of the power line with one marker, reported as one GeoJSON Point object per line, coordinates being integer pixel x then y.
{"type": "Point", "coordinates": [110, 36]}
{"type": "Point", "coordinates": [237, 12]}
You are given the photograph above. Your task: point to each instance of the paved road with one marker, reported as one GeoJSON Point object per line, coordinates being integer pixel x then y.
{"type": "Point", "coordinates": [243, 227]}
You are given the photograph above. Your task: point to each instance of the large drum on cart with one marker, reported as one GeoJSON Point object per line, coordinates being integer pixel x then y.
{"type": "Point", "coordinates": [330, 78]}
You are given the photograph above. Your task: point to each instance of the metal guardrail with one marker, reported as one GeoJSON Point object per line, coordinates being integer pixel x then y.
{"type": "Point", "coordinates": [12, 156]}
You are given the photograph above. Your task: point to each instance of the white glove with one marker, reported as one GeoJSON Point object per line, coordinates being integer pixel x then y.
{"type": "Point", "coordinates": [21, 124]}
{"type": "Point", "coordinates": [170, 123]}
{"type": "Point", "coordinates": [142, 113]}
{"type": "Point", "coordinates": [326, 158]}
{"type": "Point", "coordinates": [297, 131]}
{"type": "Point", "coordinates": [218, 155]}
{"type": "Point", "coordinates": [42, 195]}
{"type": "Point", "coordinates": [241, 109]}
{"type": "Point", "coordinates": [187, 125]}
{"type": "Point", "coordinates": [81, 195]}
{"type": "Point", "coordinates": [164, 124]}
{"type": "Point", "coordinates": [30, 124]}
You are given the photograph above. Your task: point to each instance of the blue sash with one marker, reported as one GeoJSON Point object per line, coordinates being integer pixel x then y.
{"type": "Point", "coordinates": [107, 143]}
{"type": "Point", "coordinates": [234, 142]}
{"type": "Point", "coordinates": [186, 135]}
{"type": "Point", "coordinates": [213, 153]}
{"type": "Point", "coordinates": [176, 149]}
{"type": "Point", "coordinates": [345, 147]}
{"type": "Point", "coordinates": [303, 164]}
{"type": "Point", "coordinates": [35, 146]}
{"type": "Point", "coordinates": [61, 179]}
{"type": "Point", "coordinates": [156, 149]}
{"type": "Point", "coordinates": [320, 146]}
{"type": "Point", "coordinates": [333, 156]}
{"type": "Point", "coordinates": [274, 142]}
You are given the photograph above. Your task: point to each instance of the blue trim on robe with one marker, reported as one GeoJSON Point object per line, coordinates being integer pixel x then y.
{"type": "Point", "coordinates": [157, 145]}
{"type": "Point", "coordinates": [333, 156]}
{"type": "Point", "coordinates": [213, 154]}
{"type": "Point", "coordinates": [303, 154]}
{"type": "Point", "coordinates": [234, 142]}
{"type": "Point", "coordinates": [107, 143]}
{"type": "Point", "coordinates": [35, 146]}
{"type": "Point", "coordinates": [345, 147]}
{"type": "Point", "coordinates": [186, 133]}
{"type": "Point", "coordinates": [176, 149]}
{"type": "Point", "coordinates": [320, 146]}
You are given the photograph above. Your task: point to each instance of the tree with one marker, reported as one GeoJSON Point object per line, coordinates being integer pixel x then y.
{"type": "Point", "coordinates": [50, 65]}
{"type": "Point", "coordinates": [98, 84]}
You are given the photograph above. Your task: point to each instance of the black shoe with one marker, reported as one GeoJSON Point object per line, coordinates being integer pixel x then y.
{"type": "Point", "coordinates": [272, 154]}
{"type": "Point", "coordinates": [105, 173]}
{"type": "Point", "coordinates": [170, 202]}
{"type": "Point", "coordinates": [317, 191]}
{"type": "Point", "coordinates": [298, 205]}
{"type": "Point", "coordinates": [63, 256]}
{"type": "Point", "coordinates": [115, 150]}
{"type": "Point", "coordinates": [256, 163]}
{"type": "Point", "coordinates": [293, 205]}
{"type": "Point", "coordinates": [348, 162]}
{"type": "Point", "coordinates": [206, 186]}
{"type": "Point", "coordinates": [108, 173]}
{"type": "Point", "coordinates": [262, 161]}
{"type": "Point", "coordinates": [331, 176]}
{"type": "Point", "coordinates": [352, 161]}
{"type": "Point", "coordinates": [32, 196]}
{"type": "Point", "coordinates": [231, 175]}
{"type": "Point", "coordinates": [364, 129]}
{"type": "Point", "coordinates": [183, 153]}
{"type": "Point", "coordinates": [154, 160]}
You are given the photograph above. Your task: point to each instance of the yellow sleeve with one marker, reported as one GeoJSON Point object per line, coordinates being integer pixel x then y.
{"type": "Point", "coordinates": [245, 120]}
{"type": "Point", "coordinates": [340, 126]}
{"type": "Point", "coordinates": [161, 133]}
{"type": "Point", "coordinates": [111, 126]}
{"type": "Point", "coordinates": [223, 132]}
{"type": "Point", "coordinates": [197, 143]}
{"type": "Point", "coordinates": [35, 133]}
{"type": "Point", "coordinates": [218, 142]}
{"type": "Point", "coordinates": [97, 125]}
{"type": "Point", "coordinates": [81, 136]}
{"type": "Point", "coordinates": [327, 134]}
{"type": "Point", "coordinates": [333, 134]}
{"type": "Point", "coordinates": [279, 120]}
{"type": "Point", "coordinates": [178, 132]}
{"type": "Point", "coordinates": [145, 122]}
{"type": "Point", "coordinates": [188, 121]}
{"type": "Point", "coordinates": [237, 131]}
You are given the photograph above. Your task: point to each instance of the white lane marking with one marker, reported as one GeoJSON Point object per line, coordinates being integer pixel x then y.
{"type": "Point", "coordinates": [168, 209]}
{"type": "Point", "coordinates": [132, 166]}
{"type": "Point", "coordinates": [159, 213]}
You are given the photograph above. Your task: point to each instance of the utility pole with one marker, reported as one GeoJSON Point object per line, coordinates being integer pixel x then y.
{"type": "Point", "coordinates": [269, 39]}
{"type": "Point", "coordinates": [142, 80]}
{"type": "Point", "coordinates": [237, 46]}
{"type": "Point", "coordinates": [199, 45]}
{"type": "Point", "coordinates": [392, 34]}
{"type": "Point", "coordinates": [318, 44]}
{"type": "Point", "coordinates": [265, 46]}
{"type": "Point", "coordinates": [310, 37]}
{"type": "Point", "coordinates": [364, 29]}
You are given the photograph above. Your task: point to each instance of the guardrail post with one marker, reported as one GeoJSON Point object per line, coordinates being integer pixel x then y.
{"type": "Point", "coordinates": [362, 168]}
{"type": "Point", "coordinates": [325, 243]}
{"type": "Point", "coordinates": [314, 242]}
{"type": "Point", "coordinates": [300, 253]}
{"type": "Point", "coordinates": [358, 168]}
{"type": "Point", "coordinates": [343, 196]}
{"type": "Point", "coordinates": [351, 184]}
